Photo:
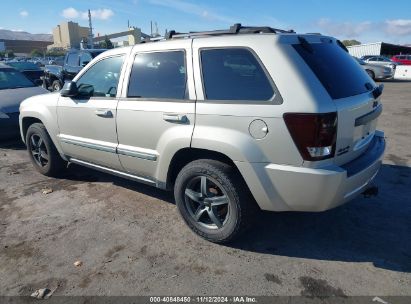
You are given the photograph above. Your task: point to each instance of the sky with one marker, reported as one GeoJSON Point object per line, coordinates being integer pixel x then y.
{"type": "Point", "coordinates": [366, 21]}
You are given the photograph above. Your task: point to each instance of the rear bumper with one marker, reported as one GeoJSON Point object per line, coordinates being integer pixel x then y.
{"type": "Point", "coordinates": [288, 188]}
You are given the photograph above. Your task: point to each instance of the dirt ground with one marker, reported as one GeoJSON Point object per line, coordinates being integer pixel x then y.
{"type": "Point", "coordinates": [131, 240]}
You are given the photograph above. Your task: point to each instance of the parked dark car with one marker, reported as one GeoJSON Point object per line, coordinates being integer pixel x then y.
{"type": "Point", "coordinates": [14, 88]}
{"type": "Point", "coordinates": [74, 61]}
{"type": "Point", "coordinates": [31, 70]}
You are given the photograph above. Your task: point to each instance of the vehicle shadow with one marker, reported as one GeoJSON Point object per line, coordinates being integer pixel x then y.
{"type": "Point", "coordinates": [396, 80]}
{"type": "Point", "coordinates": [375, 230]}
{"type": "Point", "coordinates": [80, 173]}
{"type": "Point", "coordinates": [14, 143]}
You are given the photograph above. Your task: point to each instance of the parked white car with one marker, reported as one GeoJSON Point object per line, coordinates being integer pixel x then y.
{"type": "Point", "coordinates": [382, 61]}
{"type": "Point", "coordinates": [376, 71]}
{"type": "Point", "coordinates": [230, 120]}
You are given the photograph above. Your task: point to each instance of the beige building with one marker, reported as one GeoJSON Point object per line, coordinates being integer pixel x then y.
{"type": "Point", "coordinates": [68, 35]}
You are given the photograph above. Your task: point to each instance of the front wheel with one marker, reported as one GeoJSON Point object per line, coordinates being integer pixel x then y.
{"type": "Point", "coordinates": [213, 200]}
{"type": "Point", "coordinates": [43, 154]}
{"type": "Point", "coordinates": [371, 74]}
{"type": "Point", "coordinates": [56, 86]}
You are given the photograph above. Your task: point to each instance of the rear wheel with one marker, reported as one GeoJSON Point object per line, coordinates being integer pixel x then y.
{"type": "Point", "coordinates": [43, 154]}
{"type": "Point", "coordinates": [213, 200]}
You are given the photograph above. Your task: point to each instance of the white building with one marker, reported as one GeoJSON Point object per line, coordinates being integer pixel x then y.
{"type": "Point", "coordinates": [378, 48]}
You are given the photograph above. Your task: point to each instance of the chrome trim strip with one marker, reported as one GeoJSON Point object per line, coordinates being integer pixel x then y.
{"type": "Point", "coordinates": [89, 145]}
{"type": "Point", "coordinates": [113, 148]}
{"type": "Point", "coordinates": [137, 154]}
{"type": "Point", "coordinates": [112, 171]}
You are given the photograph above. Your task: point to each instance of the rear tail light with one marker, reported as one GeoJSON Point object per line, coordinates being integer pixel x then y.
{"type": "Point", "coordinates": [313, 134]}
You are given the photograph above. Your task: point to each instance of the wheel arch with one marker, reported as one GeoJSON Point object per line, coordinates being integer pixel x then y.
{"type": "Point", "coordinates": [26, 122]}
{"type": "Point", "coordinates": [28, 119]}
{"type": "Point", "coordinates": [186, 155]}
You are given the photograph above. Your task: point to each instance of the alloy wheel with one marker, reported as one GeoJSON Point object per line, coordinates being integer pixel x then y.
{"type": "Point", "coordinates": [39, 150]}
{"type": "Point", "coordinates": [206, 202]}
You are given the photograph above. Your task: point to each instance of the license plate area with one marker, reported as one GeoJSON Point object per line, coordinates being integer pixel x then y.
{"type": "Point", "coordinates": [363, 135]}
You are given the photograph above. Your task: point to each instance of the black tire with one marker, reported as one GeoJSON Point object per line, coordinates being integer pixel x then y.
{"type": "Point", "coordinates": [371, 74]}
{"type": "Point", "coordinates": [56, 86]}
{"type": "Point", "coordinates": [43, 154]}
{"type": "Point", "coordinates": [222, 182]}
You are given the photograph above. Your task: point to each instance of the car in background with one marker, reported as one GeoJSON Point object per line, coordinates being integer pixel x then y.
{"type": "Point", "coordinates": [367, 56]}
{"type": "Point", "coordinates": [31, 70]}
{"type": "Point", "coordinates": [56, 61]}
{"type": "Point", "coordinates": [376, 71]}
{"type": "Point", "coordinates": [14, 88]}
{"type": "Point", "coordinates": [75, 60]}
{"type": "Point", "coordinates": [382, 61]}
{"type": "Point", "coordinates": [403, 59]}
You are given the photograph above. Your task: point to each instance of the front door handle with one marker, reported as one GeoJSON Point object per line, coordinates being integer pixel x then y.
{"type": "Point", "coordinates": [104, 113]}
{"type": "Point", "coordinates": [171, 117]}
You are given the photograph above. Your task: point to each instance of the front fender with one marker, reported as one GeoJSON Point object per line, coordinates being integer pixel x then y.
{"type": "Point", "coordinates": [43, 108]}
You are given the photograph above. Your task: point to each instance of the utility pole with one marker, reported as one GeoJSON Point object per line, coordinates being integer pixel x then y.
{"type": "Point", "coordinates": [90, 31]}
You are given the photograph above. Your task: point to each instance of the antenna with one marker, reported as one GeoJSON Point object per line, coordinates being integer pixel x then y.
{"type": "Point", "coordinates": [90, 31]}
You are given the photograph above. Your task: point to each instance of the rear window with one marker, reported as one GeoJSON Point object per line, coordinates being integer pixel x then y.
{"type": "Point", "coordinates": [73, 59]}
{"type": "Point", "coordinates": [234, 74]}
{"type": "Point", "coordinates": [335, 69]}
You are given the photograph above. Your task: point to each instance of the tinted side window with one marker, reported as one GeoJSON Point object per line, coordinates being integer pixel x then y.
{"type": "Point", "coordinates": [158, 75]}
{"type": "Point", "coordinates": [102, 78]}
{"type": "Point", "coordinates": [234, 74]}
{"type": "Point", "coordinates": [72, 59]}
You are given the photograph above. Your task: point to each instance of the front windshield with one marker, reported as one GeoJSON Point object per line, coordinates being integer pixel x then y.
{"type": "Point", "coordinates": [12, 79]}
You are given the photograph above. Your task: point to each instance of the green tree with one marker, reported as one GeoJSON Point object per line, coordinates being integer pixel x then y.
{"type": "Point", "coordinates": [36, 53]}
{"type": "Point", "coordinates": [106, 43]}
{"type": "Point", "coordinates": [55, 52]}
{"type": "Point", "coordinates": [351, 42]}
{"type": "Point", "coordinates": [7, 53]}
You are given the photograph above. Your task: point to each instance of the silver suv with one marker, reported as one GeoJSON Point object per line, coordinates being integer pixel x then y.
{"type": "Point", "coordinates": [230, 120]}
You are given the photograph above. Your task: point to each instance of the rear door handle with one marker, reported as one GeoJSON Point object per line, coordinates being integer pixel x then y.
{"type": "Point", "coordinates": [104, 113]}
{"type": "Point", "coordinates": [171, 117]}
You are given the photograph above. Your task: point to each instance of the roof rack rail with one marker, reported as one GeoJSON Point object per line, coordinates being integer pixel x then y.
{"type": "Point", "coordinates": [234, 29]}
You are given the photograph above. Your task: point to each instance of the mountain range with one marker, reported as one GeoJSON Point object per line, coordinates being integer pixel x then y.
{"type": "Point", "coordinates": [20, 35]}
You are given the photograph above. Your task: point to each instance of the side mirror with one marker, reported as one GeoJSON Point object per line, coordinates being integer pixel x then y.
{"type": "Point", "coordinates": [69, 89]}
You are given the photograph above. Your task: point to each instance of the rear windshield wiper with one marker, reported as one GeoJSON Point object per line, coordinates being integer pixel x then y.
{"type": "Point", "coordinates": [305, 44]}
